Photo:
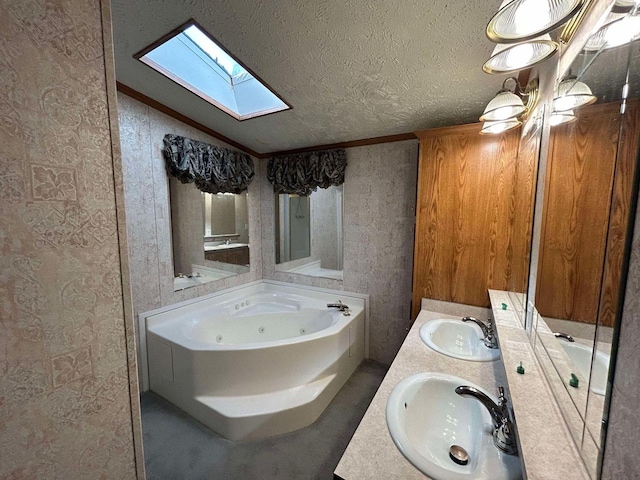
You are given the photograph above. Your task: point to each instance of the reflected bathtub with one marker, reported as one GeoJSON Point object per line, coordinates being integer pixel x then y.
{"type": "Point", "coordinates": [256, 362]}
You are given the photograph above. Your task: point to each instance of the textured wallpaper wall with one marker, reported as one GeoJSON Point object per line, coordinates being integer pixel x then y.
{"type": "Point", "coordinates": [65, 409]}
{"type": "Point", "coordinates": [623, 434]}
{"type": "Point", "coordinates": [142, 129]}
{"type": "Point", "coordinates": [379, 214]}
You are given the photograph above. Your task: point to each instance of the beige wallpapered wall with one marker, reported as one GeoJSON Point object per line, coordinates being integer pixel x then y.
{"type": "Point", "coordinates": [65, 410]}
{"type": "Point", "coordinates": [379, 202]}
{"type": "Point", "coordinates": [148, 211]}
{"type": "Point", "coordinates": [378, 226]}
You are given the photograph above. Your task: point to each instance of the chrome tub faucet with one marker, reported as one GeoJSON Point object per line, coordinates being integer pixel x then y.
{"type": "Point", "coordinates": [490, 339]}
{"type": "Point", "coordinates": [504, 436]}
{"type": "Point", "coordinates": [340, 306]}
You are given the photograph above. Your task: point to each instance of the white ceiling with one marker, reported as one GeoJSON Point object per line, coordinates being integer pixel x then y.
{"type": "Point", "coordinates": [352, 69]}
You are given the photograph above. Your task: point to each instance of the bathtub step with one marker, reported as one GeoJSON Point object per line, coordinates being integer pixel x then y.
{"type": "Point", "coordinates": [267, 403]}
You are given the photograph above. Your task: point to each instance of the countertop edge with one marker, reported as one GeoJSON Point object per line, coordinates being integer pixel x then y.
{"type": "Point", "coordinates": [546, 446]}
{"type": "Point", "coordinates": [371, 453]}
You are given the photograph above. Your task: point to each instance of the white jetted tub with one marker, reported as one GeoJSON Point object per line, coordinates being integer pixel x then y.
{"type": "Point", "coordinates": [258, 361]}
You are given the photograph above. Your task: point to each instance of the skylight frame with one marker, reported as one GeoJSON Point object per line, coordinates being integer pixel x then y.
{"type": "Point", "coordinates": [187, 86]}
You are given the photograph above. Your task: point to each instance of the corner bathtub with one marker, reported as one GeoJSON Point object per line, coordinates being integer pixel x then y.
{"type": "Point", "coordinates": [258, 361]}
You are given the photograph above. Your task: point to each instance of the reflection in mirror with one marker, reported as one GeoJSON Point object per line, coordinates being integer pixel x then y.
{"type": "Point", "coordinates": [309, 233]}
{"type": "Point", "coordinates": [589, 178]}
{"type": "Point", "coordinates": [527, 166]}
{"type": "Point", "coordinates": [210, 235]}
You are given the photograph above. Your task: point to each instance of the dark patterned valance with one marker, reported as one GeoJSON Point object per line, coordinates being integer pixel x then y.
{"type": "Point", "coordinates": [302, 173]}
{"type": "Point", "coordinates": [213, 169]}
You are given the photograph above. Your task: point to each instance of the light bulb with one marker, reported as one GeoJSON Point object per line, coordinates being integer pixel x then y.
{"type": "Point", "coordinates": [562, 104]}
{"type": "Point", "coordinates": [531, 16]}
{"type": "Point", "coordinates": [504, 113]}
{"type": "Point", "coordinates": [519, 55]}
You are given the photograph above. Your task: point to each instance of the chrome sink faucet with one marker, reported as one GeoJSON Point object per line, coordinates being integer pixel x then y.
{"type": "Point", "coordinates": [504, 436]}
{"type": "Point", "coordinates": [340, 306]}
{"type": "Point", "coordinates": [490, 339]}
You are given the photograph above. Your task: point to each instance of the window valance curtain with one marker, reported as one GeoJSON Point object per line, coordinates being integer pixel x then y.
{"type": "Point", "coordinates": [302, 173]}
{"type": "Point", "coordinates": [213, 169]}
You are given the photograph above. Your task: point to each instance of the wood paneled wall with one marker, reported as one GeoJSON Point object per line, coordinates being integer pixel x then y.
{"type": "Point", "coordinates": [470, 191]}
{"type": "Point", "coordinates": [576, 233]}
{"type": "Point", "coordinates": [620, 223]}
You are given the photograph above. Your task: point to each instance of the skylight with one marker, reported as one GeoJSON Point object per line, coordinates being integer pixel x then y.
{"type": "Point", "coordinates": [194, 60]}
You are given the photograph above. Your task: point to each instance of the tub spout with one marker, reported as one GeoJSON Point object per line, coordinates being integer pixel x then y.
{"type": "Point", "coordinates": [340, 306]}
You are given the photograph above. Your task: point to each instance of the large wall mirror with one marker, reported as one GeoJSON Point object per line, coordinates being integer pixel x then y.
{"type": "Point", "coordinates": [588, 198]}
{"type": "Point", "coordinates": [528, 160]}
{"type": "Point", "coordinates": [210, 234]}
{"type": "Point", "coordinates": [309, 233]}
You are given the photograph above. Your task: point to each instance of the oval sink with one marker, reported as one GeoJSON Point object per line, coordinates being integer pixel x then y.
{"type": "Point", "coordinates": [457, 339]}
{"type": "Point", "coordinates": [426, 418]}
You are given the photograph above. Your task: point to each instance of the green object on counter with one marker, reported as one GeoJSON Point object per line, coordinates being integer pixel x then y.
{"type": "Point", "coordinates": [504, 306]}
{"type": "Point", "coordinates": [520, 369]}
{"type": "Point", "coordinates": [574, 382]}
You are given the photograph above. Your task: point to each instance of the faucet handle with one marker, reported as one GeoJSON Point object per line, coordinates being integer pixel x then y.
{"type": "Point", "coordinates": [501, 398]}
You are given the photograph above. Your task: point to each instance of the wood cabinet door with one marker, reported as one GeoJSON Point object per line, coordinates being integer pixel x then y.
{"type": "Point", "coordinates": [468, 196]}
{"type": "Point", "coordinates": [585, 224]}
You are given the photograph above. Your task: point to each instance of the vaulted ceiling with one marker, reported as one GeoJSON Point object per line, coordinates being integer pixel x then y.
{"type": "Point", "coordinates": [352, 69]}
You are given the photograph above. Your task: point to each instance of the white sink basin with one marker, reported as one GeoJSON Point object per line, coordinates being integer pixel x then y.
{"type": "Point", "coordinates": [457, 339]}
{"type": "Point", "coordinates": [426, 417]}
{"type": "Point", "coordinates": [580, 355]}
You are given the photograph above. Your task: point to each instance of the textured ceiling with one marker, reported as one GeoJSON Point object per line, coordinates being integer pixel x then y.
{"type": "Point", "coordinates": [606, 72]}
{"type": "Point", "coordinates": [352, 69]}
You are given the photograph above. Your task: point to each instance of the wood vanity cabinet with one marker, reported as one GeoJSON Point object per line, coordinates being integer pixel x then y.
{"type": "Point", "coordinates": [584, 225]}
{"type": "Point", "coordinates": [474, 209]}
{"type": "Point", "coordinates": [235, 256]}
{"type": "Point", "coordinates": [471, 188]}
{"type": "Point", "coordinates": [239, 256]}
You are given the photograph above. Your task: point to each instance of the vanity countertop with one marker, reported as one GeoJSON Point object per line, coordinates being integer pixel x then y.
{"type": "Point", "coordinates": [371, 454]}
{"type": "Point", "coordinates": [224, 246]}
{"type": "Point", "coordinates": [546, 446]}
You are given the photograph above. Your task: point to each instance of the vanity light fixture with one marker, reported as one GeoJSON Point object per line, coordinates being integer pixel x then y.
{"type": "Point", "coordinates": [521, 20]}
{"type": "Point", "coordinates": [505, 105]}
{"type": "Point", "coordinates": [509, 58]}
{"type": "Point", "coordinates": [571, 27]}
{"type": "Point", "coordinates": [501, 113]}
{"type": "Point", "coordinates": [508, 104]}
{"type": "Point", "coordinates": [618, 30]}
{"type": "Point", "coordinates": [558, 118]}
{"type": "Point", "coordinates": [572, 94]}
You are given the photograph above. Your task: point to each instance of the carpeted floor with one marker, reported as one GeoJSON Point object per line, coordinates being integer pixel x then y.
{"type": "Point", "coordinates": [178, 447]}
